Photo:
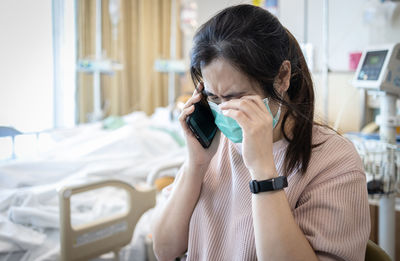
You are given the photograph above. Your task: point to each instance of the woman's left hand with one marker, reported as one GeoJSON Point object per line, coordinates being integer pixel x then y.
{"type": "Point", "coordinates": [255, 120]}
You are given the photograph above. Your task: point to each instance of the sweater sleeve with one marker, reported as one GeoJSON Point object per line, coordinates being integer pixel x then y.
{"type": "Point", "coordinates": [334, 216]}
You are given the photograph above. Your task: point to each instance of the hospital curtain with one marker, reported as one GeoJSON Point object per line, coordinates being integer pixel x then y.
{"type": "Point", "coordinates": [143, 35]}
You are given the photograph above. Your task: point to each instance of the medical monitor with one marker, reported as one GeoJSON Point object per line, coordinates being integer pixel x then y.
{"type": "Point", "coordinates": [379, 69]}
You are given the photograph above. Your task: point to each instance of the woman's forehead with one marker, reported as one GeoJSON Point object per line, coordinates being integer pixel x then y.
{"type": "Point", "coordinates": [220, 77]}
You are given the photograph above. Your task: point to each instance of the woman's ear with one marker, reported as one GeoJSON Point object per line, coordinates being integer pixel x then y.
{"type": "Point", "coordinates": [282, 80]}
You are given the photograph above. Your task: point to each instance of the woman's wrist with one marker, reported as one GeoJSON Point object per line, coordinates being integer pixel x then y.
{"type": "Point", "coordinates": [263, 172]}
{"type": "Point", "coordinates": [195, 171]}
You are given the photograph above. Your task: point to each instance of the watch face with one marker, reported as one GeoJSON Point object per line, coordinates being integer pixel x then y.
{"type": "Point", "coordinates": [278, 183]}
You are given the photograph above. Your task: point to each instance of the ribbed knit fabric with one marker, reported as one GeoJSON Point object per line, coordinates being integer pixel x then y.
{"type": "Point", "coordinates": [329, 203]}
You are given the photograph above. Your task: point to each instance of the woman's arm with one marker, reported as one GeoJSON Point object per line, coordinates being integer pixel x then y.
{"type": "Point", "coordinates": [277, 235]}
{"type": "Point", "coordinates": [171, 223]}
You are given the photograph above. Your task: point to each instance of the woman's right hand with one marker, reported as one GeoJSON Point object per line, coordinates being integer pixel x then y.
{"type": "Point", "coordinates": [199, 157]}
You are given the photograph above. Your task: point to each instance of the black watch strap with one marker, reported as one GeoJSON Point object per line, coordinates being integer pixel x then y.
{"type": "Point", "coordinates": [268, 185]}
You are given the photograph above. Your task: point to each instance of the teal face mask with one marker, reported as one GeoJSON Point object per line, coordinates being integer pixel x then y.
{"type": "Point", "coordinates": [230, 128]}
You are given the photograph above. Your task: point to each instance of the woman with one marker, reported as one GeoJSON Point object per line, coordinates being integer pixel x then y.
{"type": "Point", "coordinates": [252, 70]}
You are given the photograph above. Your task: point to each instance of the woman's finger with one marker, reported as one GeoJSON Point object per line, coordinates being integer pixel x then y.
{"type": "Point", "coordinates": [200, 87]}
{"type": "Point", "coordinates": [246, 105]}
{"type": "Point", "coordinates": [194, 99]}
{"type": "Point", "coordinates": [257, 100]}
{"type": "Point", "coordinates": [242, 119]}
{"type": "Point", "coordinates": [185, 112]}
{"type": "Point", "coordinates": [182, 117]}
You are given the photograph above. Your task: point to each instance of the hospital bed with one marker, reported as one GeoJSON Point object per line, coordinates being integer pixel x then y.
{"type": "Point", "coordinates": [89, 173]}
{"type": "Point", "coordinates": [101, 236]}
{"type": "Point", "coordinates": [97, 237]}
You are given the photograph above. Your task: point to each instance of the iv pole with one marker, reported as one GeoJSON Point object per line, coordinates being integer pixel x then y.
{"type": "Point", "coordinates": [325, 63]}
{"type": "Point", "coordinates": [97, 112]}
{"type": "Point", "coordinates": [171, 74]}
{"type": "Point", "coordinates": [99, 65]}
{"type": "Point", "coordinates": [172, 65]}
{"type": "Point", "coordinates": [387, 132]}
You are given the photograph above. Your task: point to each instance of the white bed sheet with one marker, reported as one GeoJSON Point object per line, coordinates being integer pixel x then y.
{"type": "Point", "coordinates": [29, 215]}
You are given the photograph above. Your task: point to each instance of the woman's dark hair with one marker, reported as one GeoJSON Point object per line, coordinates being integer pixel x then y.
{"type": "Point", "coordinates": [254, 41]}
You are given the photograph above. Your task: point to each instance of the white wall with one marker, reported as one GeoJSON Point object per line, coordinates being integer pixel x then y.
{"type": "Point", "coordinates": [26, 64]}
{"type": "Point", "coordinates": [208, 8]}
{"type": "Point", "coordinates": [348, 29]}
{"type": "Point", "coordinates": [205, 10]}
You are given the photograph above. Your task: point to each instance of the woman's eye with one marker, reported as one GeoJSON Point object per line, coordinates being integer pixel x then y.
{"type": "Point", "coordinates": [213, 99]}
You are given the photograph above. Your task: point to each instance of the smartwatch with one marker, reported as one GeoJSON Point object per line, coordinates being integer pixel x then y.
{"type": "Point", "coordinates": [268, 185]}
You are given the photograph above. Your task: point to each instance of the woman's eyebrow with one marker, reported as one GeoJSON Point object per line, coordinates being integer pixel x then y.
{"type": "Point", "coordinates": [235, 94]}
{"type": "Point", "coordinates": [208, 93]}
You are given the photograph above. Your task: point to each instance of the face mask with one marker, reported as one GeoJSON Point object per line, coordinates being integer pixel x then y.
{"type": "Point", "coordinates": [230, 128]}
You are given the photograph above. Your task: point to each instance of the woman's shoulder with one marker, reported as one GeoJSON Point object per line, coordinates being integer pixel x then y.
{"type": "Point", "coordinates": [333, 151]}
{"type": "Point", "coordinates": [326, 138]}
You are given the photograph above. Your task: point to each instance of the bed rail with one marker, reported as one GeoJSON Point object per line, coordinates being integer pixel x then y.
{"type": "Point", "coordinates": [156, 172]}
{"type": "Point", "coordinates": [105, 235]}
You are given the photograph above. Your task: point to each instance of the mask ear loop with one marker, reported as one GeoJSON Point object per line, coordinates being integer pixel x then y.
{"type": "Point", "coordinates": [278, 113]}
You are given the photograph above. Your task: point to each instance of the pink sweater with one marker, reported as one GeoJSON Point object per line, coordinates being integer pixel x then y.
{"type": "Point", "coordinates": [329, 203]}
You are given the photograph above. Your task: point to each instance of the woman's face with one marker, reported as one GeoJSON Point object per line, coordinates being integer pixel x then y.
{"type": "Point", "coordinates": [223, 82]}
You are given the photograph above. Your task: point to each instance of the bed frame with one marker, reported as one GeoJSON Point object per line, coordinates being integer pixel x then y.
{"type": "Point", "coordinates": [105, 235]}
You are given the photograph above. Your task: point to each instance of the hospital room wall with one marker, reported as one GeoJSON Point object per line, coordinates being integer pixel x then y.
{"type": "Point", "coordinates": [26, 64]}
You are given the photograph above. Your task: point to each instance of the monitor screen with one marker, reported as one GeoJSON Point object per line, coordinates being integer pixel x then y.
{"type": "Point", "coordinates": [372, 66]}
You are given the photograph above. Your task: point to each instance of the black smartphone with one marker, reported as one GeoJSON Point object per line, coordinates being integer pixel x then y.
{"type": "Point", "coordinates": [201, 122]}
